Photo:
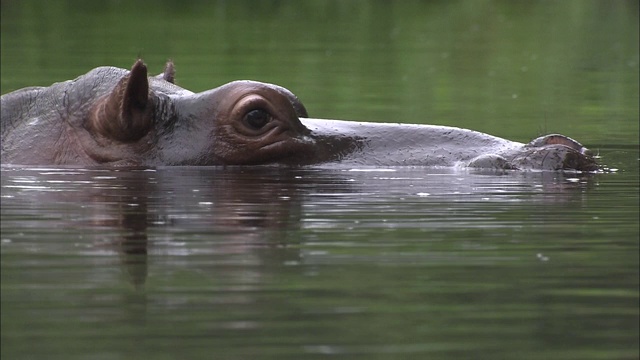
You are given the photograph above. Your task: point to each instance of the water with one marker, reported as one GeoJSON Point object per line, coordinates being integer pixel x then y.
{"type": "Point", "coordinates": [269, 262]}
{"type": "Point", "coordinates": [297, 263]}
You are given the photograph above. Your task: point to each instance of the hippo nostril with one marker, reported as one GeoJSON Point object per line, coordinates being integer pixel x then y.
{"type": "Point", "coordinates": [556, 139]}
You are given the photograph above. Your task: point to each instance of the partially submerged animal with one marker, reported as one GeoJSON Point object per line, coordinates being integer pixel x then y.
{"type": "Point", "coordinates": [113, 117]}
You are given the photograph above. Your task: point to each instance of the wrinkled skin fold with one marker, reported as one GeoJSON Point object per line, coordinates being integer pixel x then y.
{"type": "Point", "coordinates": [115, 117]}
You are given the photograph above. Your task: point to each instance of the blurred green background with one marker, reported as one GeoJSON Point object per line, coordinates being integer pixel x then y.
{"type": "Point", "coordinates": [515, 69]}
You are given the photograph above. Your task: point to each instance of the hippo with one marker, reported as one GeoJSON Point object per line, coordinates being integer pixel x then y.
{"type": "Point", "coordinates": [117, 117]}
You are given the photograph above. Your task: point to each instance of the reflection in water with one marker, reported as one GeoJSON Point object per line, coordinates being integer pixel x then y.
{"type": "Point", "coordinates": [269, 260]}
{"type": "Point", "coordinates": [257, 214]}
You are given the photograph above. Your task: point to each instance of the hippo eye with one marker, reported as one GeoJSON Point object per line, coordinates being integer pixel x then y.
{"type": "Point", "coordinates": [257, 119]}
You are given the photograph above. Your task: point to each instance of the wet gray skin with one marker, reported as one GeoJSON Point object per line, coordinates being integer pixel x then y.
{"type": "Point", "coordinates": [115, 117]}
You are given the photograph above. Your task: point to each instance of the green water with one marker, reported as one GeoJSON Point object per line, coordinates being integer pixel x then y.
{"type": "Point", "coordinates": [271, 263]}
{"type": "Point", "coordinates": [392, 263]}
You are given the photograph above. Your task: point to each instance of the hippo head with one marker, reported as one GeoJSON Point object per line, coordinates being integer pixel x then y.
{"type": "Point", "coordinates": [113, 116]}
{"type": "Point", "coordinates": [150, 121]}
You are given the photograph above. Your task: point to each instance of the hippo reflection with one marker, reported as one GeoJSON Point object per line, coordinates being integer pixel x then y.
{"type": "Point", "coordinates": [112, 116]}
{"type": "Point", "coordinates": [236, 218]}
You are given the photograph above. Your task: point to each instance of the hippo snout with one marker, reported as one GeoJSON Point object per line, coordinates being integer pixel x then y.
{"type": "Point", "coordinates": [554, 157]}
{"type": "Point", "coordinates": [555, 152]}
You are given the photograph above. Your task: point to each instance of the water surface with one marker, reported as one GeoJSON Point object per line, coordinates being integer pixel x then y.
{"type": "Point", "coordinates": [295, 263]}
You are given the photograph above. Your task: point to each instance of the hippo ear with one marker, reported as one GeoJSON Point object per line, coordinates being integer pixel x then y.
{"type": "Point", "coordinates": [169, 73]}
{"type": "Point", "coordinates": [126, 114]}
